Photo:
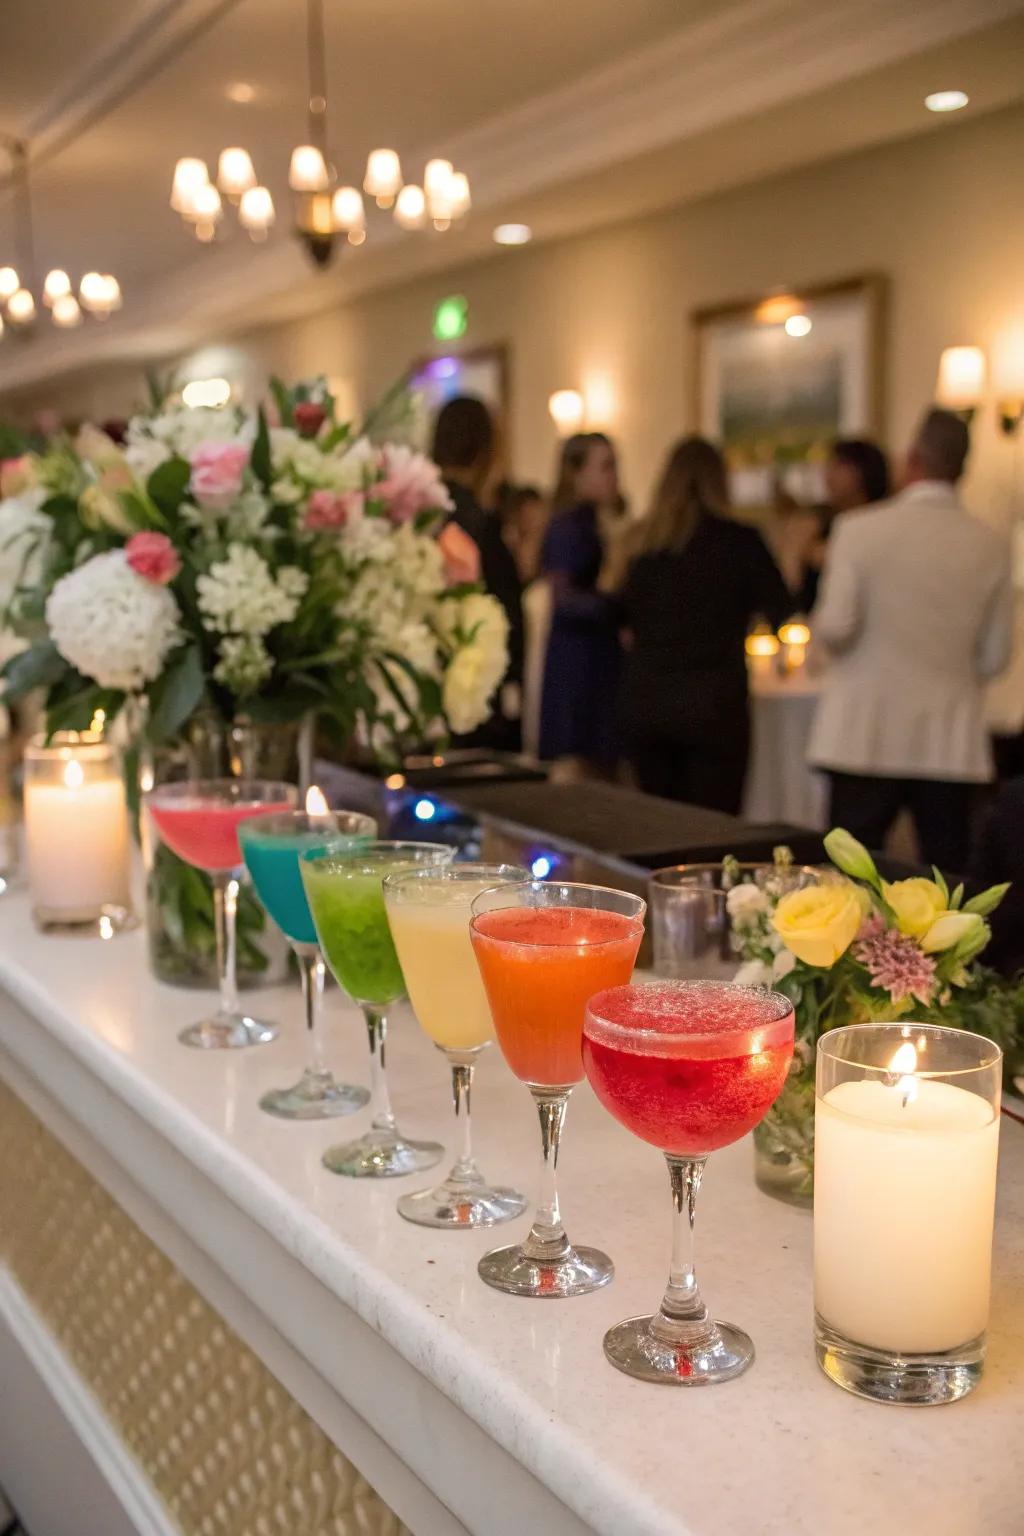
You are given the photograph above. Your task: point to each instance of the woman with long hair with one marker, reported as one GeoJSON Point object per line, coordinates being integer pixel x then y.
{"type": "Point", "coordinates": [694, 579]}
{"type": "Point", "coordinates": [577, 714]}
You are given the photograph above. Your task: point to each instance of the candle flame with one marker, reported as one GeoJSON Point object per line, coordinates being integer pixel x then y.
{"type": "Point", "coordinates": [74, 775]}
{"type": "Point", "coordinates": [904, 1062]}
{"type": "Point", "coordinates": [97, 722]}
{"type": "Point", "coordinates": [316, 804]}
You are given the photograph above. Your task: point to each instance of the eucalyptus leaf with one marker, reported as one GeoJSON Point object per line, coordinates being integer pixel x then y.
{"type": "Point", "coordinates": [40, 666]}
{"type": "Point", "coordinates": [175, 694]}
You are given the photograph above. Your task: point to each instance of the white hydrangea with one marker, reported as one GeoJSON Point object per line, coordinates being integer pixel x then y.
{"type": "Point", "coordinates": [240, 595]}
{"type": "Point", "coordinates": [24, 537]}
{"type": "Point", "coordinates": [746, 902]}
{"type": "Point", "coordinates": [752, 973]}
{"type": "Point", "coordinates": [111, 623]}
{"type": "Point", "coordinates": [479, 663]}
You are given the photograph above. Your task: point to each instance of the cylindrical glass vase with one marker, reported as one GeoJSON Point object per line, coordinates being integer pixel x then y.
{"type": "Point", "coordinates": [906, 1140]}
{"type": "Point", "coordinates": [76, 834]}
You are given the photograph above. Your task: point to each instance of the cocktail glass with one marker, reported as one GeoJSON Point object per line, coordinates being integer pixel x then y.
{"type": "Point", "coordinates": [345, 897]}
{"type": "Point", "coordinates": [688, 1066]}
{"type": "Point", "coordinates": [272, 846]}
{"type": "Point", "coordinates": [429, 913]}
{"type": "Point", "coordinates": [198, 819]}
{"type": "Point", "coordinates": [543, 951]}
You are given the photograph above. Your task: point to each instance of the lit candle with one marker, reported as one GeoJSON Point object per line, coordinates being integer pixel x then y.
{"type": "Point", "coordinates": [76, 830]}
{"type": "Point", "coordinates": [795, 636]}
{"type": "Point", "coordinates": [906, 1138]}
{"type": "Point", "coordinates": [762, 649]}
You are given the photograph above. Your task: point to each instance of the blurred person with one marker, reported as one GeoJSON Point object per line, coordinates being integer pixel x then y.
{"type": "Point", "coordinates": [693, 582]}
{"type": "Point", "coordinates": [464, 449]}
{"type": "Point", "coordinates": [916, 611]}
{"type": "Point", "coordinates": [856, 475]}
{"type": "Point", "coordinates": [581, 666]}
{"type": "Point", "coordinates": [522, 514]}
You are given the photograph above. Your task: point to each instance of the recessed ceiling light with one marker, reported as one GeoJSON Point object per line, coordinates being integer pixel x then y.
{"type": "Point", "coordinates": [798, 325]}
{"type": "Point", "coordinates": [513, 234]}
{"type": "Point", "coordinates": [242, 92]}
{"type": "Point", "coordinates": [946, 101]}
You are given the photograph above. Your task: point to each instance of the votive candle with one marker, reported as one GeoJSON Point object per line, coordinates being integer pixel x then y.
{"type": "Point", "coordinates": [76, 829]}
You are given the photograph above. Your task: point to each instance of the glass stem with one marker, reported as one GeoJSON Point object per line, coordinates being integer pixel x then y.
{"type": "Point", "coordinates": [547, 1242]}
{"type": "Point", "coordinates": [380, 1103]}
{"type": "Point", "coordinates": [682, 1317]}
{"type": "Point", "coordinates": [464, 1169]}
{"type": "Point", "coordinates": [311, 970]}
{"type": "Point", "coordinates": [225, 910]}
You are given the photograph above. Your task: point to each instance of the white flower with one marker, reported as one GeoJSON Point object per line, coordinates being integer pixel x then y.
{"type": "Point", "coordinates": [113, 625]}
{"type": "Point", "coordinates": [782, 964]}
{"type": "Point", "coordinates": [244, 663]}
{"type": "Point", "coordinates": [477, 627]}
{"type": "Point", "coordinates": [418, 648]}
{"type": "Point", "coordinates": [752, 973]}
{"type": "Point", "coordinates": [150, 440]}
{"type": "Point", "coordinates": [745, 902]}
{"type": "Point", "coordinates": [24, 539]}
{"type": "Point", "coordinates": [241, 596]}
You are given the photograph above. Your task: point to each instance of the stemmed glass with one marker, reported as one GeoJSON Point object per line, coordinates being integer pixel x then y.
{"type": "Point", "coordinates": [343, 888]}
{"type": "Point", "coordinates": [429, 912]}
{"type": "Point", "coordinates": [272, 846]}
{"type": "Point", "coordinates": [688, 1066]}
{"type": "Point", "coordinates": [543, 950]}
{"type": "Point", "coordinates": [198, 819]}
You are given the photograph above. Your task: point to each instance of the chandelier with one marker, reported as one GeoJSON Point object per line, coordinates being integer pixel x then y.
{"type": "Point", "coordinates": [99, 294]}
{"type": "Point", "coordinates": [323, 210]}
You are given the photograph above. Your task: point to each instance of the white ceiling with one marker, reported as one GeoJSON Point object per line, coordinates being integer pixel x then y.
{"type": "Point", "coordinates": [566, 114]}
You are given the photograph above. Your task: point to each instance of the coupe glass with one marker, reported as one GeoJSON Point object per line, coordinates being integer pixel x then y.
{"type": "Point", "coordinates": [198, 819]}
{"type": "Point", "coordinates": [343, 887]}
{"type": "Point", "coordinates": [429, 913]}
{"type": "Point", "coordinates": [688, 1066]}
{"type": "Point", "coordinates": [543, 950]}
{"type": "Point", "coordinates": [272, 846]}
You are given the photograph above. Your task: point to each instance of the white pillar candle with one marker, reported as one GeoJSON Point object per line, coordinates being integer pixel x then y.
{"type": "Point", "coordinates": [76, 831]}
{"type": "Point", "coordinates": [904, 1190]}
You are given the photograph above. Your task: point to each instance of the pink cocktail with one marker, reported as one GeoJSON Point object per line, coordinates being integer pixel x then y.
{"type": "Point", "coordinates": [688, 1066]}
{"type": "Point", "coordinates": [198, 819]}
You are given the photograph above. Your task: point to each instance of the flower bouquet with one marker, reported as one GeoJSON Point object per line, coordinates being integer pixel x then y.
{"type": "Point", "coordinates": [850, 948]}
{"type": "Point", "coordinates": [217, 568]}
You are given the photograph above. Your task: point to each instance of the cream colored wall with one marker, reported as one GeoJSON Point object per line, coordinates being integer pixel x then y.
{"type": "Point", "coordinates": [939, 215]}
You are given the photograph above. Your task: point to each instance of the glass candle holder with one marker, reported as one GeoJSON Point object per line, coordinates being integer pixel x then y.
{"type": "Point", "coordinates": [76, 834]}
{"type": "Point", "coordinates": [906, 1140]}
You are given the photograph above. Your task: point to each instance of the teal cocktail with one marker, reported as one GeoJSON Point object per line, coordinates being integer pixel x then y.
{"type": "Point", "coordinates": [345, 897]}
{"type": "Point", "coordinates": [272, 854]}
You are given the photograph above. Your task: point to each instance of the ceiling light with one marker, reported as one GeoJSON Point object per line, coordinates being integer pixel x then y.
{"type": "Point", "coordinates": [798, 325]}
{"type": "Point", "coordinates": [436, 176]}
{"type": "Point", "coordinates": [383, 179]}
{"type": "Point", "coordinates": [348, 210]}
{"type": "Point", "coordinates": [21, 307]}
{"type": "Point", "coordinates": [66, 311]}
{"type": "Point", "coordinates": [256, 211]}
{"type": "Point", "coordinates": [946, 101]}
{"type": "Point", "coordinates": [241, 92]}
{"type": "Point", "coordinates": [56, 285]}
{"type": "Point", "coordinates": [458, 192]}
{"type": "Point", "coordinates": [411, 207]}
{"type": "Point", "coordinates": [10, 282]}
{"type": "Point", "coordinates": [235, 173]}
{"type": "Point", "coordinates": [513, 234]}
{"type": "Point", "coordinates": [308, 170]}
{"type": "Point", "coordinates": [189, 175]}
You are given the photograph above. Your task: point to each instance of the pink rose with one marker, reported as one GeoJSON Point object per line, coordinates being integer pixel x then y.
{"type": "Point", "coordinates": [217, 470]}
{"type": "Point", "coordinates": [309, 418]}
{"type": "Point", "coordinates": [153, 556]}
{"type": "Point", "coordinates": [17, 475]}
{"type": "Point", "coordinates": [326, 510]}
{"type": "Point", "coordinates": [412, 483]}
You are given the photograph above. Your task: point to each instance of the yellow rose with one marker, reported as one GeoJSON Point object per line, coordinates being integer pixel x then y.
{"type": "Point", "coordinates": [950, 928]}
{"type": "Point", "coordinates": [820, 922]}
{"type": "Point", "coordinates": [916, 903]}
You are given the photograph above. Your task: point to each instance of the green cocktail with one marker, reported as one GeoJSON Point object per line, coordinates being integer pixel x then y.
{"type": "Point", "coordinates": [343, 888]}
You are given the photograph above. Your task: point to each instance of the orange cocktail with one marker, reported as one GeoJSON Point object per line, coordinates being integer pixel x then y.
{"type": "Point", "coordinates": [540, 968]}
{"type": "Point", "coordinates": [543, 951]}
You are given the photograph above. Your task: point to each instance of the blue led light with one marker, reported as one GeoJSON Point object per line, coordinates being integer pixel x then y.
{"type": "Point", "coordinates": [424, 810]}
{"type": "Point", "coordinates": [541, 866]}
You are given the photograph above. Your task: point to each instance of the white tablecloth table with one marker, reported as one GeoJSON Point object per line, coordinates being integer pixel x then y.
{"type": "Point", "coordinates": [781, 786]}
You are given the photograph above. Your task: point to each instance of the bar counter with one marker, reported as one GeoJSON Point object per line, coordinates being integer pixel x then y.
{"type": "Point", "coordinates": [463, 1409]}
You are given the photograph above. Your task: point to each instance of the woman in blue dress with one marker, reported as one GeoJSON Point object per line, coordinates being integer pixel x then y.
{"type": "Point", "coordinates": [581, 670]}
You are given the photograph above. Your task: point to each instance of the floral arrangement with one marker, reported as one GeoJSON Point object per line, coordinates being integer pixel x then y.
{"type": "Point", "coordinates": [848, 947]}
{"type": "Point", "coordinates": [217, 563]}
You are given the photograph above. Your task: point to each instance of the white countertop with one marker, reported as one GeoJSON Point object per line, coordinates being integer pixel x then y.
{"type": "Point", "coordinates": [780, 1450]}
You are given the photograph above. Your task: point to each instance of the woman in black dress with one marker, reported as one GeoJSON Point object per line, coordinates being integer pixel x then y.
{"type": "Point", "coordinates": [577, 712]}
{"type": "Point", "coordinates": [694, 581]}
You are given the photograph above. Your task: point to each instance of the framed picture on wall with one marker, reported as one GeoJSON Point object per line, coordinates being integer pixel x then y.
{"type": "Point", "coordinates": [779, 378]}
{"type": "Point", "coordinates": [479, 371]}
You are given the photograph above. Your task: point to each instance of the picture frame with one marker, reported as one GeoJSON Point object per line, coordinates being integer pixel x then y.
{"type": "Point", "coordinates": [482, 371]}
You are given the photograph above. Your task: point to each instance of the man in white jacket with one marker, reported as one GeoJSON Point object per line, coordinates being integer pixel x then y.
{"type": "Point", "coordinates": [916, 611]}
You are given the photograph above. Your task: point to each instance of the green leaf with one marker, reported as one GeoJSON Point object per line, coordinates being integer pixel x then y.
{"type": "Point", "coordinates": [956, 898]}
{"type": "Point", "coordinates": [283, 401]}
{"type": "Point", "coordinates": [167, 485]}
{"type": "Point", "coordinates": [175, 693]}
{"type": "Point", "coordinates": [76, 711]}
{"type": "Point", "coordinates": [987, 901]}
{"type": "Point", "coordinates": [262, 467]}
{"type": "Point", "coordinates": [940, 881]}
{"type": "Point", "coordinates": [39, 667]}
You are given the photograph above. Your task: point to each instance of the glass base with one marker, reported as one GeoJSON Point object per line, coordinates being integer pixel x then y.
{"type": "Point", "coordinates": [577, 1272]}
{"type": "Point", "coordinates": [454, 1204]}
{"type": "Point", "coordinates": [633, 1348]}
{"type": "Point", "coordinates": [104, 924]}
{"type": "Point", "coordinates": [227, 1032]}
{"type": "Point", "coordinates": [378, 1155]}
{"type": "Point", "coordinates": [316, 1096]}
{"type": "Point", "coordinates": [913, 1380]}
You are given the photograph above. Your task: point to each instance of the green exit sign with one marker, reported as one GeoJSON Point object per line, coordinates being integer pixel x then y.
{"type": "Point", "coordinates": [451, 317]}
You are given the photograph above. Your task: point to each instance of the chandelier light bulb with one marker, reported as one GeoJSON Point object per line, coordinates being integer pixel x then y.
{"type": "Point", "coordinates": [256, 212]}
{"type": "Point", "coordinates": [67, 311]}
{"type": "Point", "coordinates": [308, 170]}
{"type": "Point", "coordinates": [206, 204]}
{"type": "Point", "coordinates": [113, 291]}
{"type": "Point", "coordinates": [356, 236]}
{"type": "Point", "coordinates": [458, 194]}
{"type": "Point", "coordinates": [189, 175]}
{"type": "Point", "coordinates": [383, 178]}
{"type": "Point", "coordinates": [100, 293]}
{"type": "Point", "coordinates": [349, 212]}
{"type": "Point", "coordinates": [21, 307]}
{"type": "Point", "coordinates": [436, 176]}
{"type": "Point", "coordinates": [411, 207]}
{"type": "Point", "coordinates": [10, 282]}
{"type": "Point", "coordinates": [235, 173]}
{"type": "Point", "coordinates": [56, 286]}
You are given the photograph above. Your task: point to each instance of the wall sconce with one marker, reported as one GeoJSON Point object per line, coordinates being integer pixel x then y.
{"type": "Point", "coordinates": [566, 410]}
{"type": "Point", "coordinates": [961, 380]}
{"type": "Point", "coordinates": [1008, 377]}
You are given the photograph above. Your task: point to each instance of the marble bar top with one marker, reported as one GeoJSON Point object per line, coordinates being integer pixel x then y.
{"type": "Point", "coordinates": [779, 1452]}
